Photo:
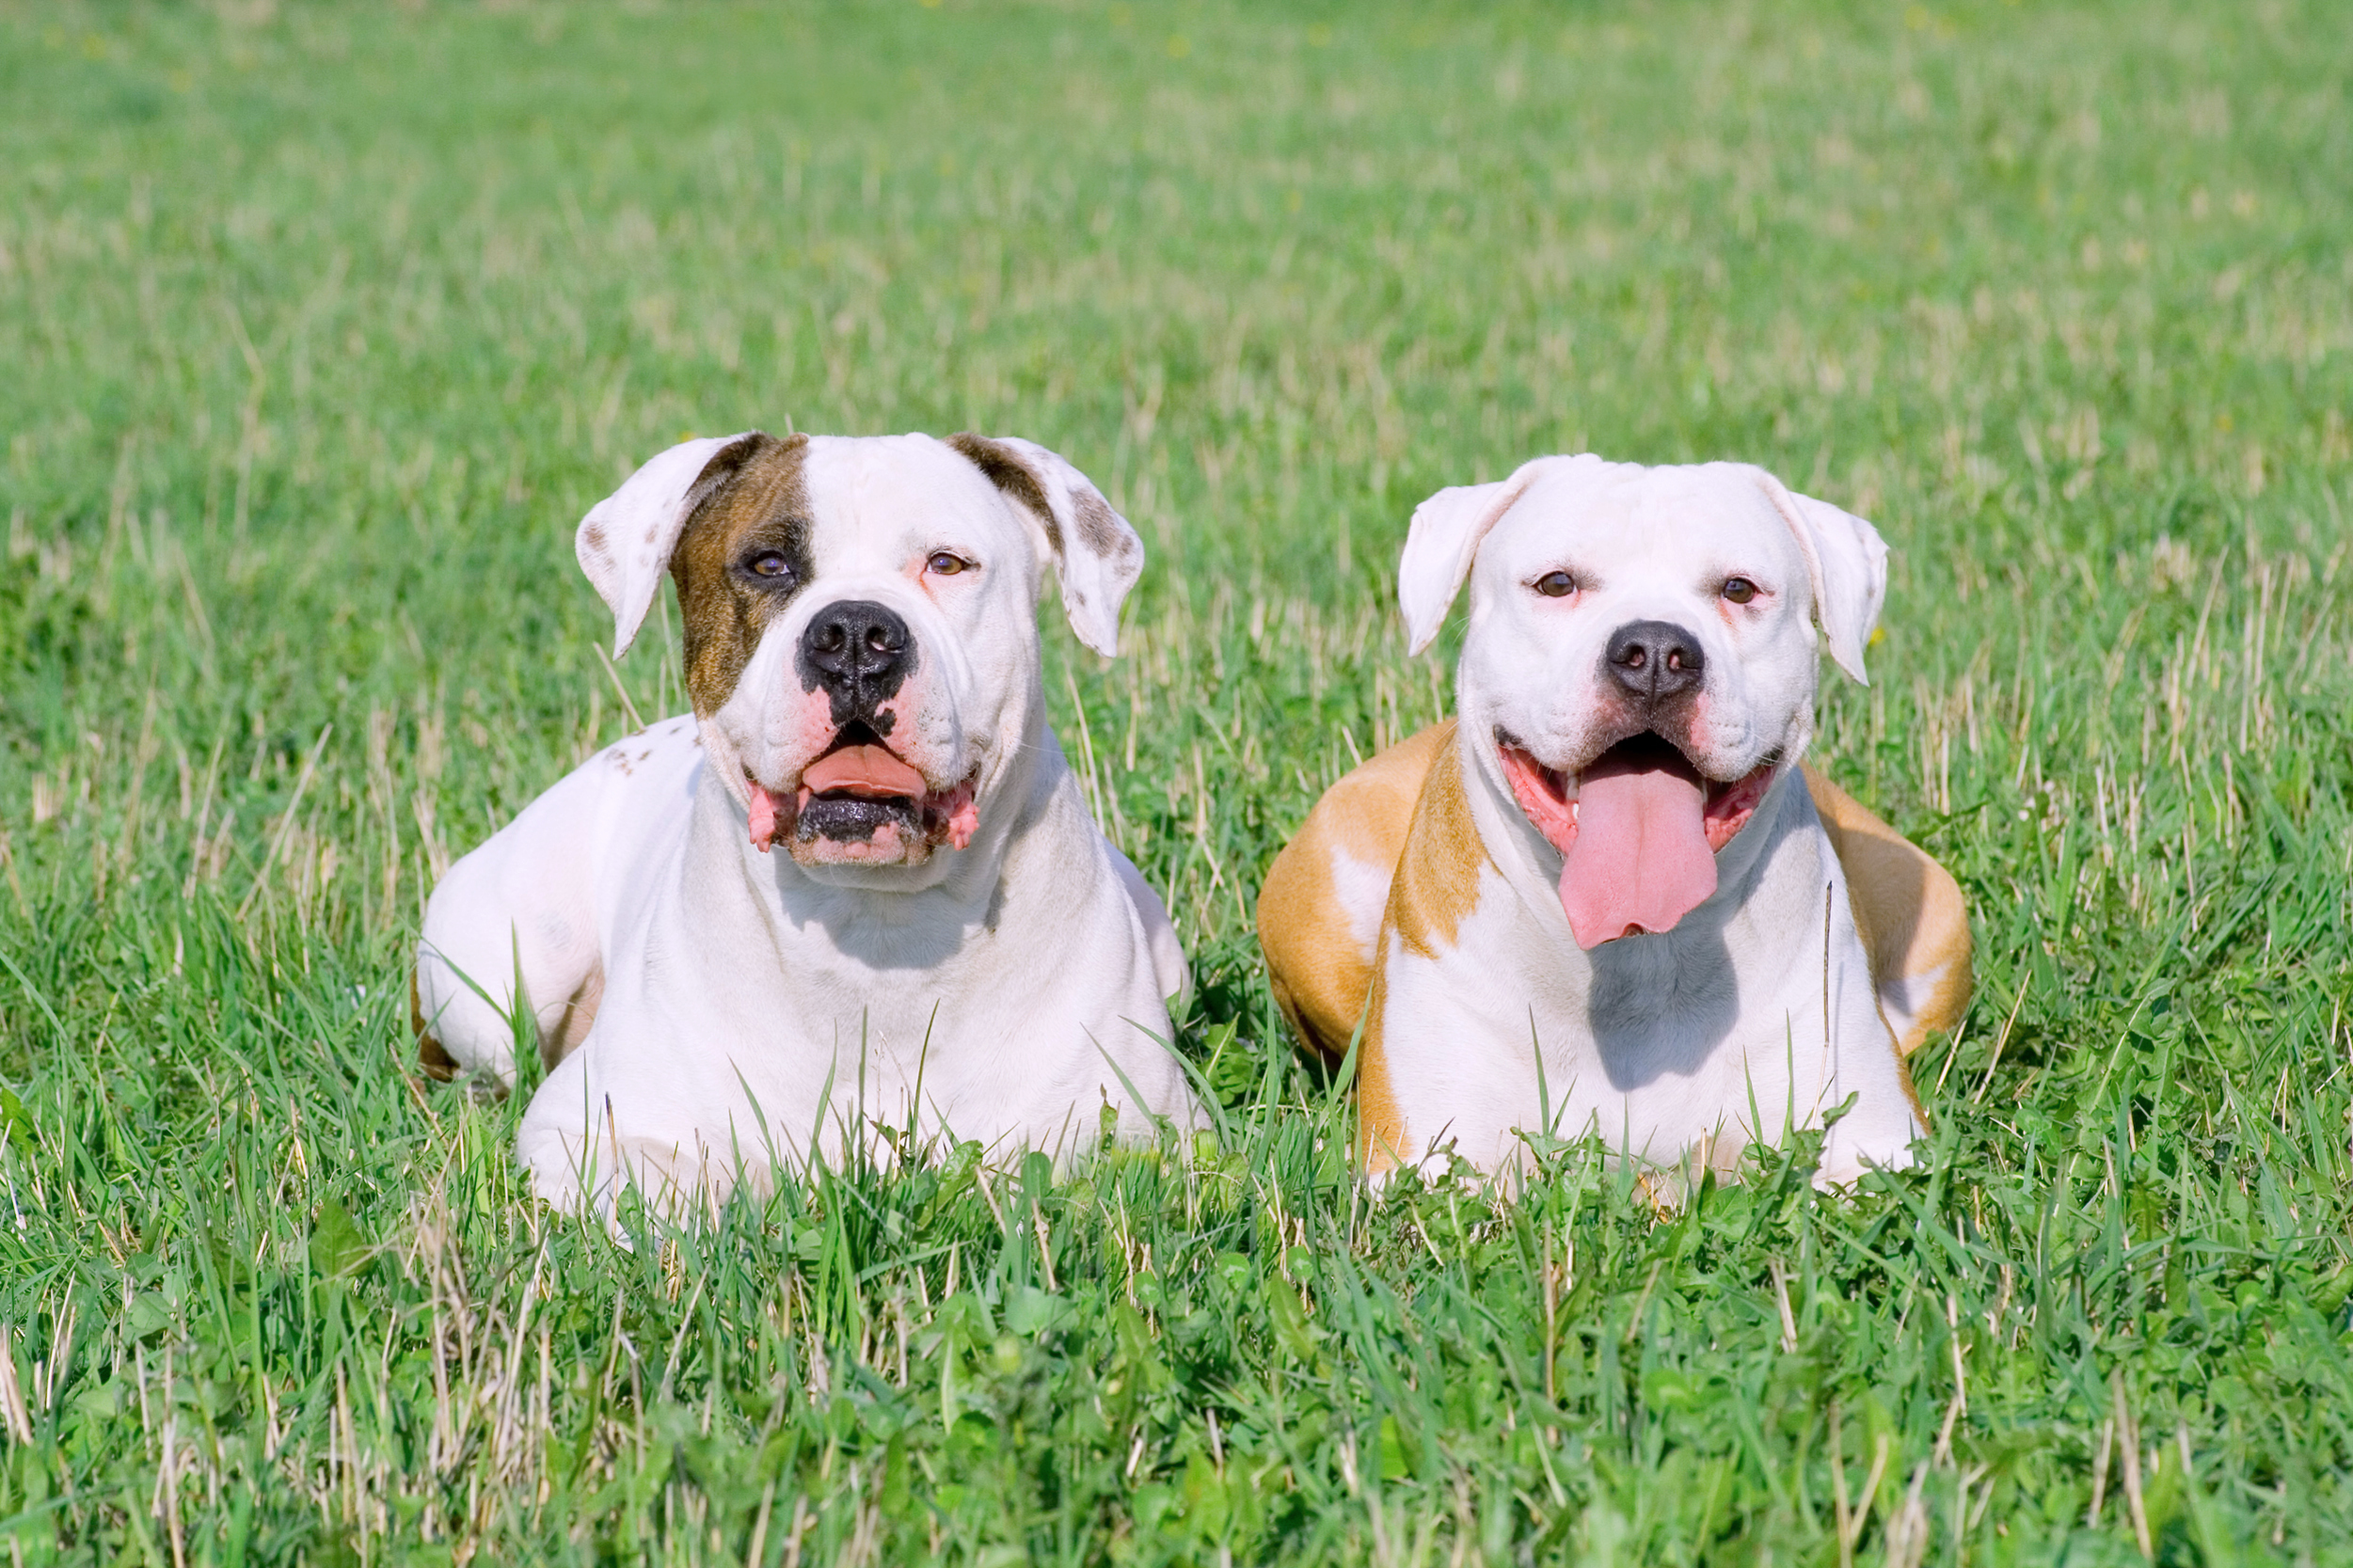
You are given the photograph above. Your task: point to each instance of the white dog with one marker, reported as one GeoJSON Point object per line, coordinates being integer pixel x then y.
{"type": "Point", "coordinates": [1603, 900]}
{"type": "Point", "coordinates": [859, 889]}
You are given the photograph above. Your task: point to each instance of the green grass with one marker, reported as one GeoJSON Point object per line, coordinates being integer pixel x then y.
{"type": "Point", "coordinates": [322, 327]}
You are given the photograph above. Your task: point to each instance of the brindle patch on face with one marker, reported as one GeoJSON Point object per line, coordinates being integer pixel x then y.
{"type": "Point", "coordinates": [755, 499]}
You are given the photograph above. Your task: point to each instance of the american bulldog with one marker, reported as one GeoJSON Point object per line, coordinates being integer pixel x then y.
{"type": "Point", "coordinates": [856, 898]}
{"type": "Point", "coordinates": [1606, 898]}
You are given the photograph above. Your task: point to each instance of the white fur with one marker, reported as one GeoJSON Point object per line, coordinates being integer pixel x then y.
{"type": "Point", "coordinates": [756, 1007]}
{"type": "Point", "coordinates": [1363, 889]}
{"type": "Point", "coordinates": [1094, 583]}
{"type": "Point", "coordinates": [1756, 1013]}
{"type": "Point", "coordinates": [625, 543]}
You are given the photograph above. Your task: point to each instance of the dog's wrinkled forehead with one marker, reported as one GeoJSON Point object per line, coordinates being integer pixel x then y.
{"type": "Point", "coordinates": [1714, 516]}
{"type": "Point", "coordinates": [875, 498]}
{"type": "Point", "coordinates": [1629, 525]}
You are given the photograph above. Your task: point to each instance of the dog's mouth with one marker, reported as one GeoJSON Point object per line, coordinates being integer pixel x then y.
{"type": "Point", "coordinates": [1638, 829]}
{"type": "Point", "coordinates": [860, 800]}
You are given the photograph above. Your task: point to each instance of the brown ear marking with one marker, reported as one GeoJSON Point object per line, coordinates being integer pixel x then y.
{"type": "Point", "coordinates": [753, 492]}
{"type": "Point", "coordinates": [1099, 529]}
{"type": "Point", "coordinates": [1008, 472]}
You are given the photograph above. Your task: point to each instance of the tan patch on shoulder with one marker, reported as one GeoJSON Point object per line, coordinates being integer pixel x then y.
{"type": "Point", "coordinates": [1436, 890]}
{"type": "Point", "coordinates": [1317, 968]}
{"type": "Point", "coordinates": [1404, 807]}
{"type": "Point", "coordinates": [1908, 910]}
{"type": "Point", "coordinates": [1380, 1122]}
{"type": "Point", "coordinates": [1438, 874]}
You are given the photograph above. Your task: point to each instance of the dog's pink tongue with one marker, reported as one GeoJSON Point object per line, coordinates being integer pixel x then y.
{"type": "Point", "coordinates": [1640, 860]}
{"type": "Point", "coordinates": [861, 771]}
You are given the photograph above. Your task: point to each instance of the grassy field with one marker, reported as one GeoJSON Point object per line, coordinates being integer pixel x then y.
{"type": "Point", "coordinates": [322, 327]}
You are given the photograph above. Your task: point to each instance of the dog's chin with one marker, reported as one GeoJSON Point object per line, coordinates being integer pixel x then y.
{"type": "Point", "coordinates": [861, 830]}
{"type": "Point", "coordinates": [853, 806]}
{"type": "Point", "coordinates": [858, 805]}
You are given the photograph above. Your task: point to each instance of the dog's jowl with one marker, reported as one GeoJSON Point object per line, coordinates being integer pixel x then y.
{"type": "Point", "coordinates": [858, 892]}
{"type": "Point", "coordinates": [1606, 898]}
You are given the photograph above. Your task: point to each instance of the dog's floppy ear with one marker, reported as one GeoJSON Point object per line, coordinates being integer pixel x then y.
{"type": "Point", "coordinates": [1848, 561]}
{"type": "Point", "coordinates": [1444, 537]}
{"type": "Point", "coordinates": [1096, 555]}
{"type": "Point", "coordinates": [625, 543]}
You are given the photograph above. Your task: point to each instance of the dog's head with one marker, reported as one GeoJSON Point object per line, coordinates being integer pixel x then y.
{"type": "Point", "coordinates": [1641, 657]}
{"type": "Point", "coordinates": [861, 624]}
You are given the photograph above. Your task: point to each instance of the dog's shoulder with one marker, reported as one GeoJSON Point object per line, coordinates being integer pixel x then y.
{"type": "Point", "coordinates": [643, 783]}
{"type": "Point", "coordinates": [530, 896]}
{"type": "Point", "coordinates": [1321, 906]}
{"type": "Point", "coordinates": [1440, 879]}
{"type": "Point", "coordinates": [1909, 911]}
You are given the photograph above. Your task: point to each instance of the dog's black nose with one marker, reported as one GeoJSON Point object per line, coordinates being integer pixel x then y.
{"type": "Point", "coordinates": [1654, 660]}
{"type": "Point", "coordinates": [859, 652]}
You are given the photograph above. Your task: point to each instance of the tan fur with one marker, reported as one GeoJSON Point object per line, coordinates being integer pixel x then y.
{"type": "Point", "coordinates": [1907, 907]}
{"type": "Point", "coordinates": [1380, 1124]}
{"type": "Point", "coordinates": [1319, 974]}
{"type": "Point", "coordinates": [439, 1064]}
{"type": "Point", "coordinates": [580, 1012]}
{"type": "Point", "coordinates": [1400, 809]}
{"type": "Point", "coordinates": [1438, 871]}
{"type": "Point", "coordinates": [1436, 888]}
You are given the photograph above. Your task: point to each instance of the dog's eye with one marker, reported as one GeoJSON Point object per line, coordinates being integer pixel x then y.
{"type": "Point", "coordinates": [1555, 585]}
{"type": "Point", "coordinates": [946, 565]}
{"type": "Point", "coordinates": [769, 563]}
{"type": "Point", "coordinates": [1739, 589]}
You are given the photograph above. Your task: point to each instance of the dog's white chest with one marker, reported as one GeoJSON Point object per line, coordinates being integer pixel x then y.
{"type": "Point", "coordinates": [1754, 1017]}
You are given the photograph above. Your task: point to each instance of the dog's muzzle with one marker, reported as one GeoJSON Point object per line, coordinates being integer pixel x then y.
{"type": "Point", "coordinates": [1638, 828]}
{"type": "Point", "coordinates": [859, 654]}
{"type": "Point", "coordinates": [1653, 661]}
